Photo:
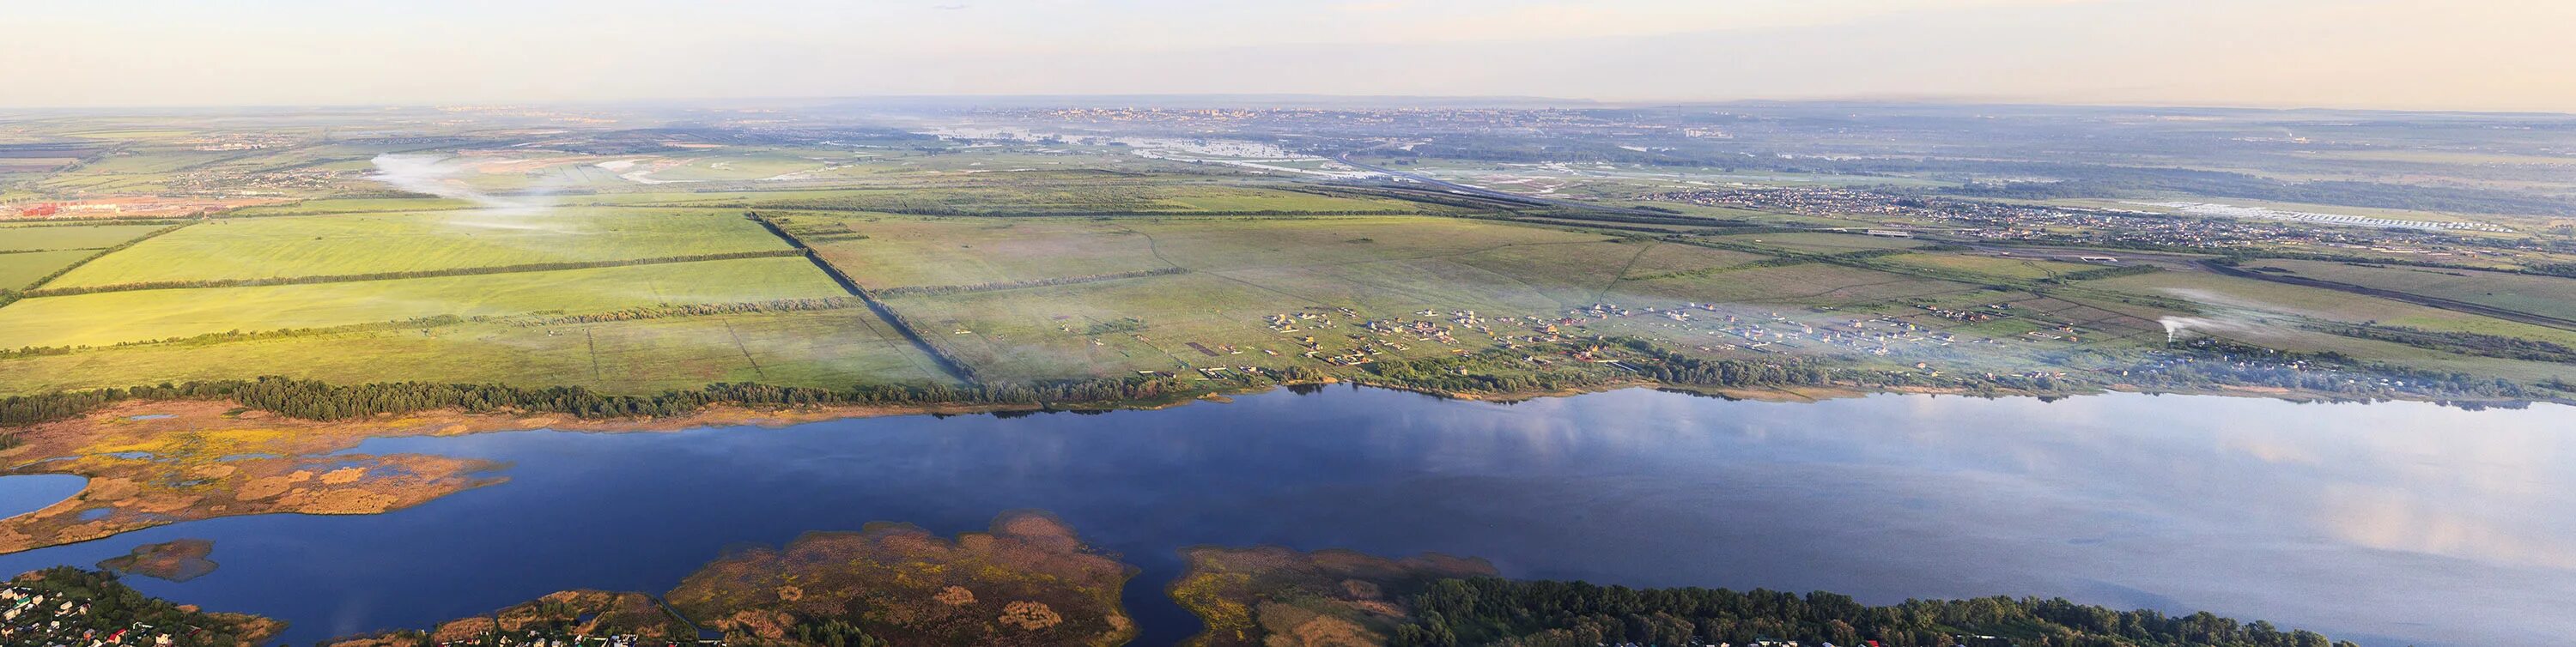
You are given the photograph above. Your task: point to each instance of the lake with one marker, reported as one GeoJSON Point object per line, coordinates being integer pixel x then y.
{"type": "Point", "coordinates": [2390, 523]}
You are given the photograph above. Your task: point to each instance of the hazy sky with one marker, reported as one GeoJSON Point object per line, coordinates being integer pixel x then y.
{"type": "Point", "coordinates": [2456, 54]}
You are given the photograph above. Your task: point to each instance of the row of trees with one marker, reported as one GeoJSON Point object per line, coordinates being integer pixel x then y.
{"type": "Point", "coordinates": [931, 290]}
{"type": "Point", "coordinates": [317, 400]}
{"type": "Point", "coordinates": [1493, 611]}
{"type": "Point", "coordinates": [696, 309]}
{"type": "Point", "coordinates": [1679, 369]}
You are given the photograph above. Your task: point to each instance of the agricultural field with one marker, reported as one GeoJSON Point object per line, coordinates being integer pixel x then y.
{"type": "Point", "coordinates": [1225, 280]}
{"type": "Point", "coordinates": [2547, 296]}
{"type": "Point", "coordinates": [1086, 194]}
{"type": "Point", "coordinates": [113, 317]}
{"type": "Point", "coordinates": [2223, 297]}
{"type": "Point", "coordinates": [57, 237]}
{"type": "Point", "coordinates": [2015, 268]}
{"type": "Point", "coordinates": [256, 248]}
{"type": "Point", "coordinates": [903, 251]}
{"type": "Point", "coordinates": [19, 270]}
{"type": "Point", "coordinates": [824, 348]}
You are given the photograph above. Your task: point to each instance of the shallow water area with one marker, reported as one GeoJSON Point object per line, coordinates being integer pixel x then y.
{"type": "Point", "coordinates": [26, 493]}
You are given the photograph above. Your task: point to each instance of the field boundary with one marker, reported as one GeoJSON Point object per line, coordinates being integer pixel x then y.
{"type": "Point", "coordinates": [936, 290]}
{"type": "Point", "coordinates": [951, 365]}
{"type": "Point", "coordinates": [12, 296]}
{"type": "Point", "coordinates": [396, 276]}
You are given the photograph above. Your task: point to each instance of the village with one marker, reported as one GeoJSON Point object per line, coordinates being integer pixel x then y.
{"type": "Point", "coordinates": [37, 618]}
{"type": "Point", "coordinates": [2233, 228]}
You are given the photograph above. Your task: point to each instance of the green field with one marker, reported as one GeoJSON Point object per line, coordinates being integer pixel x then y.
{"type": "Point", "coordinates": [252, 248]}
{"type": "Point", "coordinates": [19, 270]}
{"type": "Point", "coordinates": [2547, 296]}
{"type": "Point", "coordinates": [2015, 268]}
{"type": "Point", "coordinates": [108, 318]}
{"type": "Point", "coordinates": [831, 348]}
{"type": "Point", "coordinates": [1084, 194]}
{"type": "Point", "coordinates": [48, 238]}
{"type": "Point", "coordinates": [1244, 271]}
{"type": "Point", "coordinates": [2255, 299]}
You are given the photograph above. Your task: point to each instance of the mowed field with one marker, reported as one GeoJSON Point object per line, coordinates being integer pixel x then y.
{"type": "Point", "coordinates": [2547, 296]}
{"type": "Point", "coordinates": [112, 317]}
{"type": "Point", "coordinates": [332, 245]}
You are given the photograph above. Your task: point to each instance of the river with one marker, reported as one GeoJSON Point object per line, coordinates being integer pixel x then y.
{"type": "Point", "coordinates": [2389, 523]}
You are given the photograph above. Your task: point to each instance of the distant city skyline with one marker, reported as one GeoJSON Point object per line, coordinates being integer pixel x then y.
{"type": "Point", "coordinates": [2486, 55]}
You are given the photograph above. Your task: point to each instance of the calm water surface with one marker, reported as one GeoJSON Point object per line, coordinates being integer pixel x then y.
{"type": "Point", "coordinates": [2386, 523]}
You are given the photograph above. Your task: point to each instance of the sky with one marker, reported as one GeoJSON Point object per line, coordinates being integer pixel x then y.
{"type": "Point", "coordinates": [2397, 54]}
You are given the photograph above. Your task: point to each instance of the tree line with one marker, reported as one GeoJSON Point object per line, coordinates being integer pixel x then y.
{"type": "Point", "coordinates": [694, 310]}
{"type": "Point", "coordinates": [318, 400]}
{"type": "Point", "coordinates": [934, 290]}
{"type": "Point", "coordinates": [1494, 611]}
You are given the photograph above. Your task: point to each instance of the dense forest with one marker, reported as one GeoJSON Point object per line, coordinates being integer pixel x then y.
{"type": "Point", "coordinates": [1492, 611]}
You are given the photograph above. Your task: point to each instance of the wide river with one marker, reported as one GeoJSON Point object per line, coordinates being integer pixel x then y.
{"type": "Point", "coordinates": [2390, 524]}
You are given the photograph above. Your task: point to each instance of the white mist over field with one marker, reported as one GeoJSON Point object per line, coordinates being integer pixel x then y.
{"type": "Point", "coordinates": [436, 175]}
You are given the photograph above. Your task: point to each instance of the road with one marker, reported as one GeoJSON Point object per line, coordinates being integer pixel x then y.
{"type": "Point", "coordinates": [1454, 187]}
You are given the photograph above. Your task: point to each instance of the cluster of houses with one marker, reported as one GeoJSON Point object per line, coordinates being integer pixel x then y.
{"type": "Point", "coordinates": [30, 617]}
{"type": "Point", "coordinates": [2202, 225]}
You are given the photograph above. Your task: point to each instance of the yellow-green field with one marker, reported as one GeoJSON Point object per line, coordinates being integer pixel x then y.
{"type": "Point", "coordinates": [252, 248]}
{"type": "Point", "coordinates": [108, 318]}
{"type": "Point", "coordinates": [48, 238]}
{"type": "Point", "coordinates": [828, 348]}
{"type": "Point", "coordinates": [19, 270]}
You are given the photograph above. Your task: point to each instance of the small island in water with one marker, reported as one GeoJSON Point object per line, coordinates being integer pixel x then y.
{"type": "Point", "coordinates": [178, 560]}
